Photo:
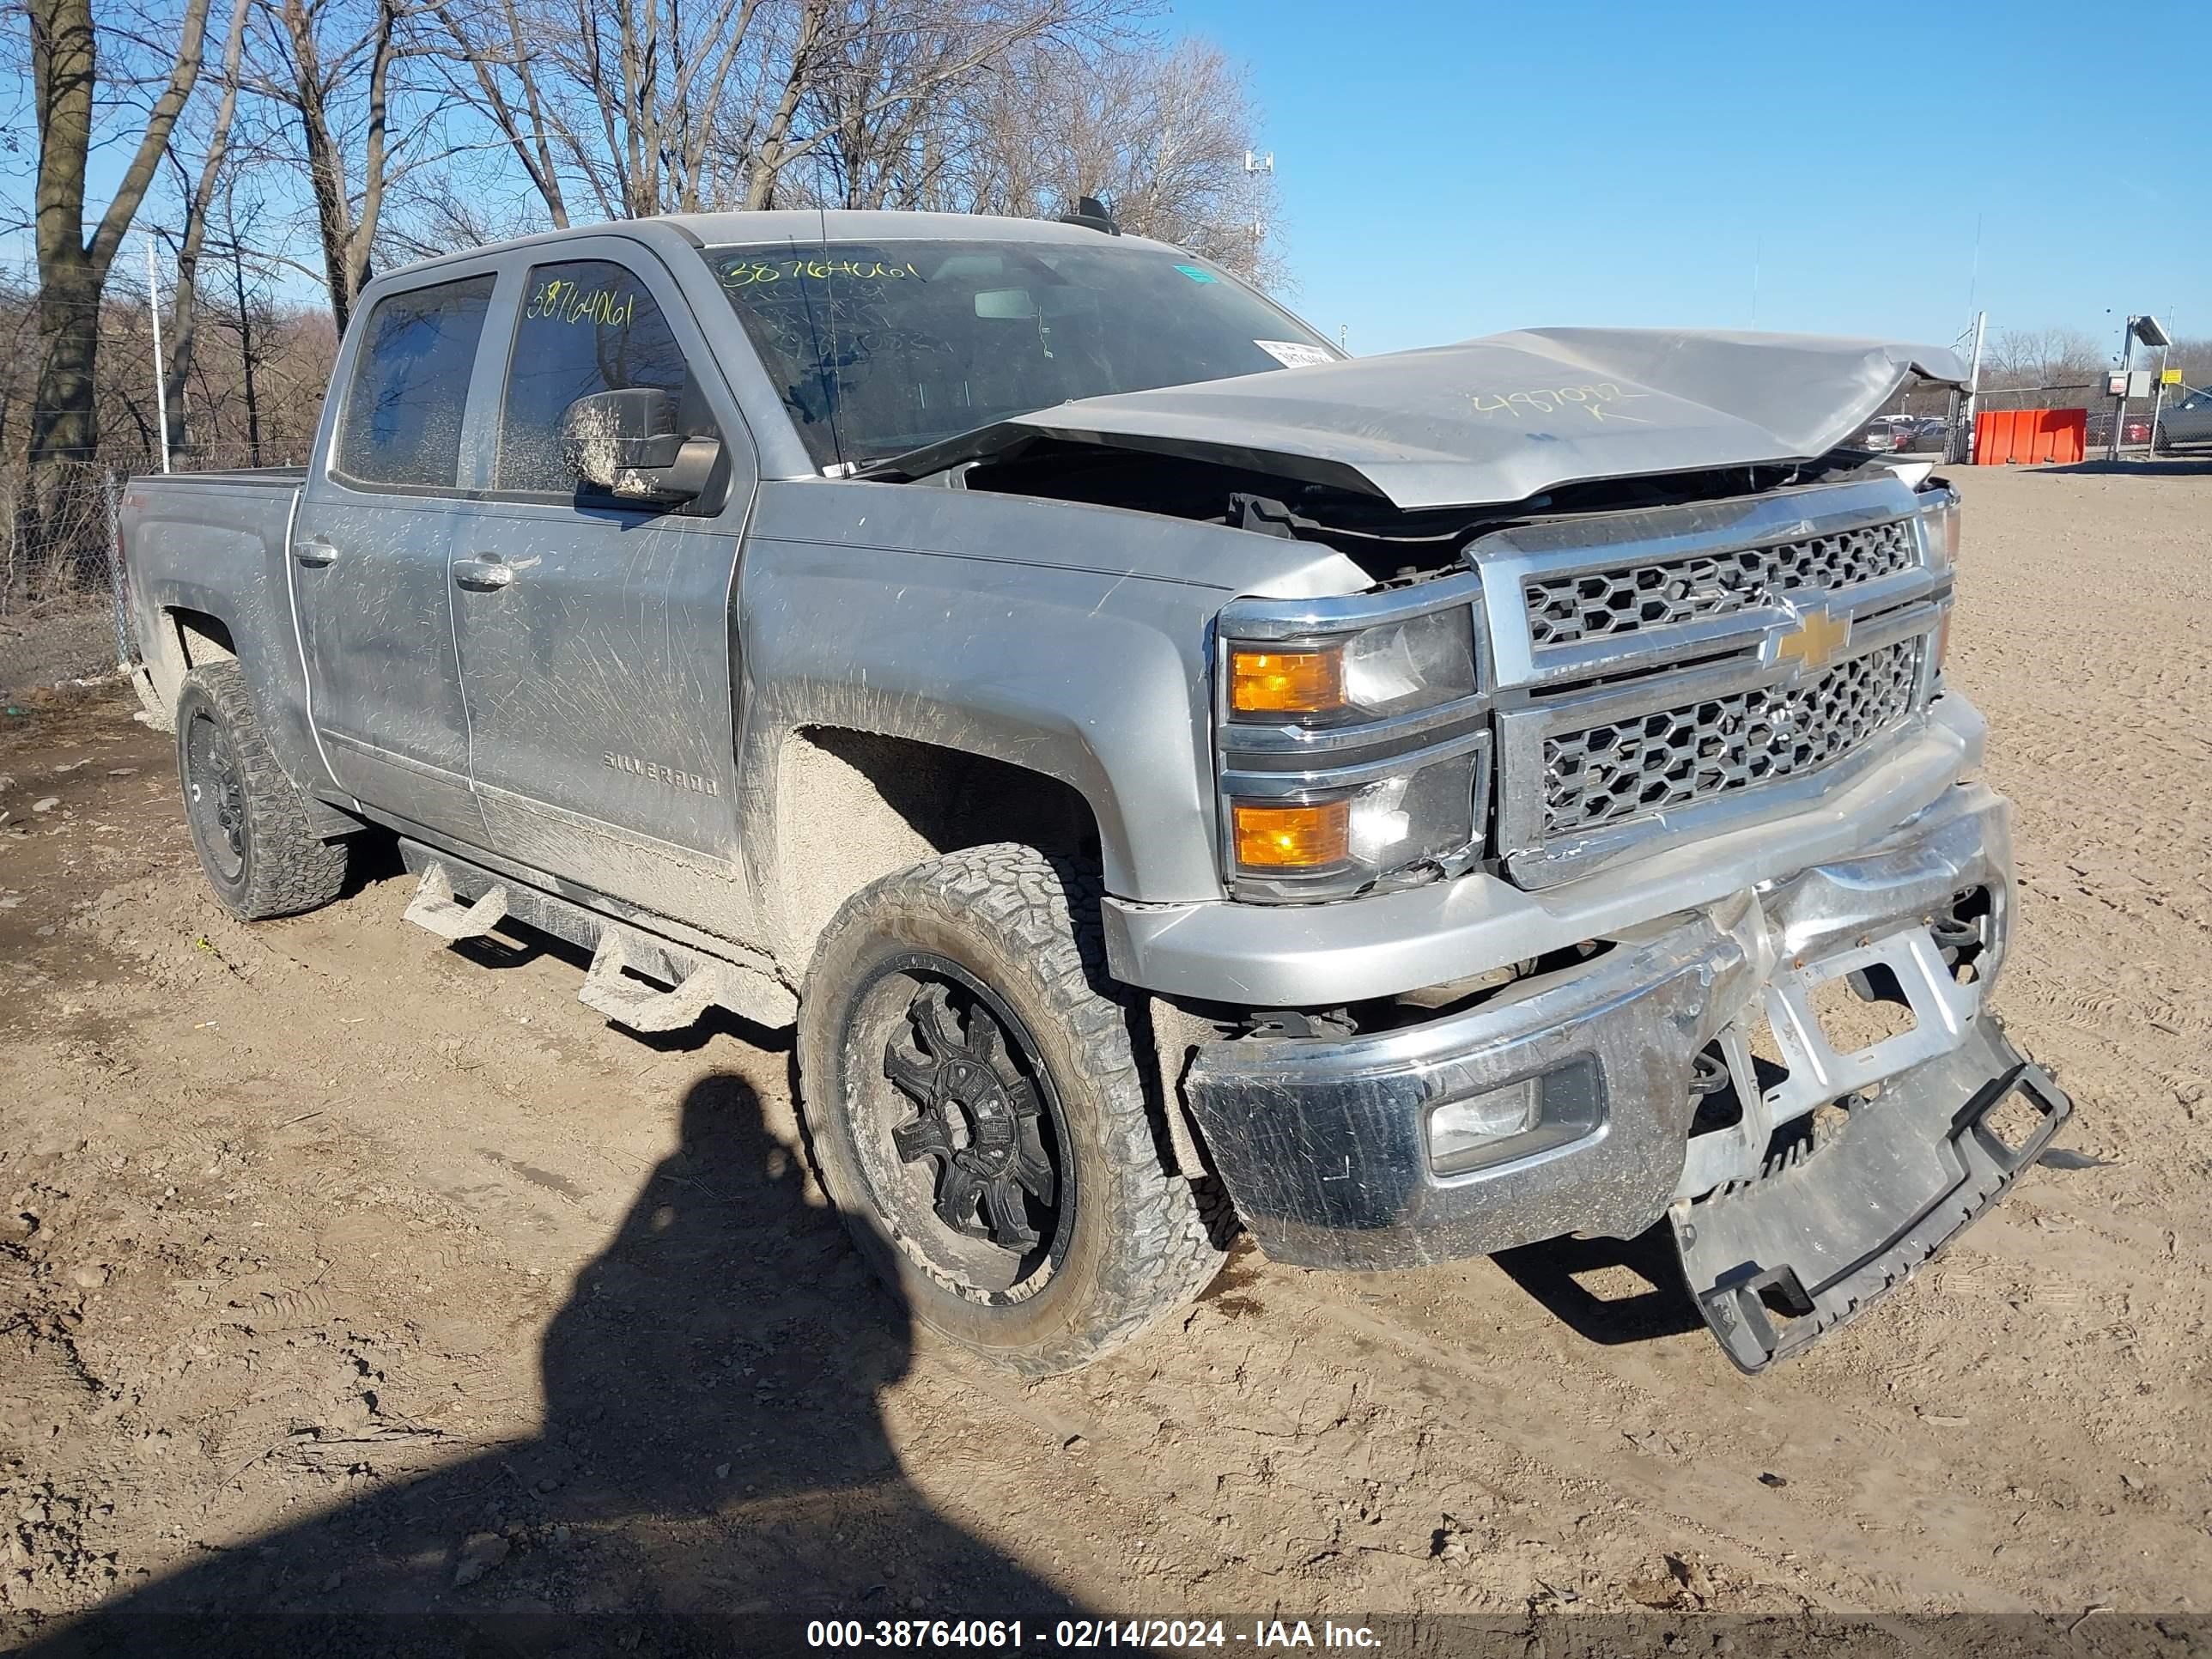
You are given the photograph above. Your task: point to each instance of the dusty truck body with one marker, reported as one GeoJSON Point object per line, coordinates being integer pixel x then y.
{"type": "Point", "coordinates": [1420, 805]}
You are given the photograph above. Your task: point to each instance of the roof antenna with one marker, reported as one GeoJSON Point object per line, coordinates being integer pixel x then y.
{"type": "Point", "coordinates": [1092, 215]}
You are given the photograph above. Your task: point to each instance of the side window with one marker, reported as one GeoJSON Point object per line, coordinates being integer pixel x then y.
{"type": "Point", "coordinates": [587, 325]}
{"type": "Point", "coordinates": [402, 423]}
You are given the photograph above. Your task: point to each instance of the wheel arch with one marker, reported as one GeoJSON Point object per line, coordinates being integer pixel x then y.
{"type": "Point", "coordinates": [848, 805]}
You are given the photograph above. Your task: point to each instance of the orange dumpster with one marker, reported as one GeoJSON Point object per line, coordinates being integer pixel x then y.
{"type": "Point", "coordinates": [2029, 436]}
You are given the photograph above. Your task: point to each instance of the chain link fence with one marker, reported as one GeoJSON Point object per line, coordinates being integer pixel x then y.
{"type": "Point", "coordinates": [1928, 422]}
{"type": "Point", "coordinates": [63, 610]}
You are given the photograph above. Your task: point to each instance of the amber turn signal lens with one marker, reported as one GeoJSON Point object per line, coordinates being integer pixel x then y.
{"type": "Point", "coordinates": [1286, 681]}
{"type": "Point", "coordinates": [1292, 837]}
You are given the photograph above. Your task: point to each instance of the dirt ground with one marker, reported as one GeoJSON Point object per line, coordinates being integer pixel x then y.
{"type": "Point", "coordinates": [342, 1269]}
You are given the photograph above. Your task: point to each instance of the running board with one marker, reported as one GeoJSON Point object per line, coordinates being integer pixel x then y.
{"type": "Point", "coordinates": [434, 907]}
{"type": "Point", "coordinates": [644, 1007]}
{"type": "Point", "coordinates": [633, 965]}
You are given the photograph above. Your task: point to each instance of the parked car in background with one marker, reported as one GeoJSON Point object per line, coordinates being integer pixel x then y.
{"type": "Point", "coordinates": [2186, 424]}
{"type": "Point", "coordinates": [2134, 430]}
{"type": "Point", "coordinates": [1930, 432]}
{"type": "Point", "coordinates": [1884, 434]}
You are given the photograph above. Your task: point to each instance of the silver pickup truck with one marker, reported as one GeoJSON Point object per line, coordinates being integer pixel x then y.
{"type": "Point", "coordinates": [1171, 775]}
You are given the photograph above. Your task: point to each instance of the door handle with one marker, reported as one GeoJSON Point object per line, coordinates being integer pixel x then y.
{"type": "Point", "coordinates": [313, 551]}
{"type": "Point", "coordinates": [483, 575]}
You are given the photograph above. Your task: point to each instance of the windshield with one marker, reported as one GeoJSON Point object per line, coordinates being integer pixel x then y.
{"type": "Point", "coordinates": [880, 348]}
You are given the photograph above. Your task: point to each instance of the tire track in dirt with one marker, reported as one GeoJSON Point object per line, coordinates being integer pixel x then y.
{"type": "Point", "coordinates": [333, 1189]}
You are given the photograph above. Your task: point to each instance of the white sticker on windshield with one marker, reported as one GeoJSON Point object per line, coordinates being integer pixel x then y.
{"type": "Point", "coordinates": [1296, 354]}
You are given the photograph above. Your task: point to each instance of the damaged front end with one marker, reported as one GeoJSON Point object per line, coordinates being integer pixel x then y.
{"type": "Point", "coordinates": [1547, 856]}
{"type": "Point", "coordinates": [1691, 1070]}
{"type": "Point", "coordinates": [1608, 810]}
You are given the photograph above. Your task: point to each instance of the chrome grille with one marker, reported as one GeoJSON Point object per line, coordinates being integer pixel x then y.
{"type": "Point", "coordinates": [1670, 757]}
{"type": "Point", "coordinates": [1656, 594]}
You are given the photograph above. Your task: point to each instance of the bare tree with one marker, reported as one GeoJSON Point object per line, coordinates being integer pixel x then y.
{"type": "Point", "coordinates": [647, 84]}
{"type": "Point", "coordinates": [337, 70]}
{"type": "Point", "coordinates": [498, 54]}
{"type": "Point", "coordinates": [1160, 134]}
{"type": "Point", "coordinates": [73, 269]}
{"type": "Point", "coordinates": [198, 197]}
{"type": "Point", "coordinates": [644, 106]}
{"type": "Point", "coordinates": [864, 80]}
{"type": "Point", "coordinates": [2043, 357]}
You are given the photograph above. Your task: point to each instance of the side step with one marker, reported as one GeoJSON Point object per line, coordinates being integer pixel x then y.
{"type": "Point", "coordinates": [632, 966]}
{"type": "Point", "coordinates": [434, 907]}
{"type": "Point", "coordinates": [644, 1007]}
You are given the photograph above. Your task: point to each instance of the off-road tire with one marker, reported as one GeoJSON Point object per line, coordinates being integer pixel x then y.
{"type": "Point", "coordinates": [1027, 926]}
{"type": "Point", "coordinates": [284, 867]}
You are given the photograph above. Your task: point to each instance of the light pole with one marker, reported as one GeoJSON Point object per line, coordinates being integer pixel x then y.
{"type": "Point", "coordinates": [161, 373]}
{"type": "Point", "coordinates": [1255, 164]}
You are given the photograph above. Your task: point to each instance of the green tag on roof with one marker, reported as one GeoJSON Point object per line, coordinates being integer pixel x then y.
{"type": "Point", "coordinates": [1198, 273]}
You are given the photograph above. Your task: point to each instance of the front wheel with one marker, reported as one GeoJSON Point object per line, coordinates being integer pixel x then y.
{"type": "Point", "coordinates": [976, 1114]}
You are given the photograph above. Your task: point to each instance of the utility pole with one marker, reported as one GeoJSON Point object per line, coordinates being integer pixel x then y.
{"type": "Point", "coordinates": [161, 373]}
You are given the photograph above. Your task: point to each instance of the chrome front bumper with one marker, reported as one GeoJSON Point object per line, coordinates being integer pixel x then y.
{"type": "Point", "coordinates": [1324, 1144]}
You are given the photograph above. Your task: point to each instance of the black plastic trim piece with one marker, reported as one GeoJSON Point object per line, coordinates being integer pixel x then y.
{"type": "Point", "coordinates": [1778, 1262]}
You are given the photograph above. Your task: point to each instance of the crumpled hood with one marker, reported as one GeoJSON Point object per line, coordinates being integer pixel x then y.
{"type": "Point", "coordinates": [1501, 418]}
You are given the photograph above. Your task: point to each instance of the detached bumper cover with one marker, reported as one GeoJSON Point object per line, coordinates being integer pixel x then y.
{"type": "Point", "coordinates": [1778, 1262]}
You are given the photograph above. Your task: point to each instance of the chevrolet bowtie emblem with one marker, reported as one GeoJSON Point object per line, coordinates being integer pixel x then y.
{"type": "Point", "coordinates": [1815, 639]}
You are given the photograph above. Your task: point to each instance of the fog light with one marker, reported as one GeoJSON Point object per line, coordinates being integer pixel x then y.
{"type": "Point", "coordinates": [1522, 1118]}
{"type": "Point", "coordinates": [1460, 1126]}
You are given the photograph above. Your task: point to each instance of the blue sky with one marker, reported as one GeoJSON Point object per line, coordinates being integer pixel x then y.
{"type": "Point", "coordinates": [1450, 169]}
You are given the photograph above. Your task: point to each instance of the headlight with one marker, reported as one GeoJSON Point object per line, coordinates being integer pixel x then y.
{"type": "Point", "coordinates": [1939, 532]}
{"type": "Point", "coordinates": [1353, 740]}
{"type": "Point", "coordinates": [1343, 840]}
{"type": "Point", "coordinates": [1394, 668]}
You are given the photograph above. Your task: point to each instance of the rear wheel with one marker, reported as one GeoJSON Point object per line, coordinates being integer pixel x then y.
{"type": "Point", "coordinates": [248, 823]}
{"type": "Point", "coordinates": [977, 1115]}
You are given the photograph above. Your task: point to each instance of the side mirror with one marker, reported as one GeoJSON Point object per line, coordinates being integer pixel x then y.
{"type": "Point", "coordinates": [625, 443]}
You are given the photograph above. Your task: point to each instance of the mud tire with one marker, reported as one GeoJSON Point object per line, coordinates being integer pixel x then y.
{"type": "Point", "coordinates": [278, 866]}
{"type": "Point", "coordinates": [1026, 925]}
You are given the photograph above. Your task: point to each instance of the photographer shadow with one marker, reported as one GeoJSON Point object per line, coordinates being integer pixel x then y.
{"type": "Point", "coordinates": [714, 1470]}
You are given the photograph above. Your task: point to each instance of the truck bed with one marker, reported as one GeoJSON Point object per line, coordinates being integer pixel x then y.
{"type": "Point", "coordinates": [206, 559]}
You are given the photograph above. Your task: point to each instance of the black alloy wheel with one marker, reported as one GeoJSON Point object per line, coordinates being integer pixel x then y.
{"type": "Point", "coordinates": [961, 1148]}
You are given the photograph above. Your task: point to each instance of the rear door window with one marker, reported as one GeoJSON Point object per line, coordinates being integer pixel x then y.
{"type": "Point", "coordinates": [587, 325]}
{"type": "Point", "coordinates": [402, 422]}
